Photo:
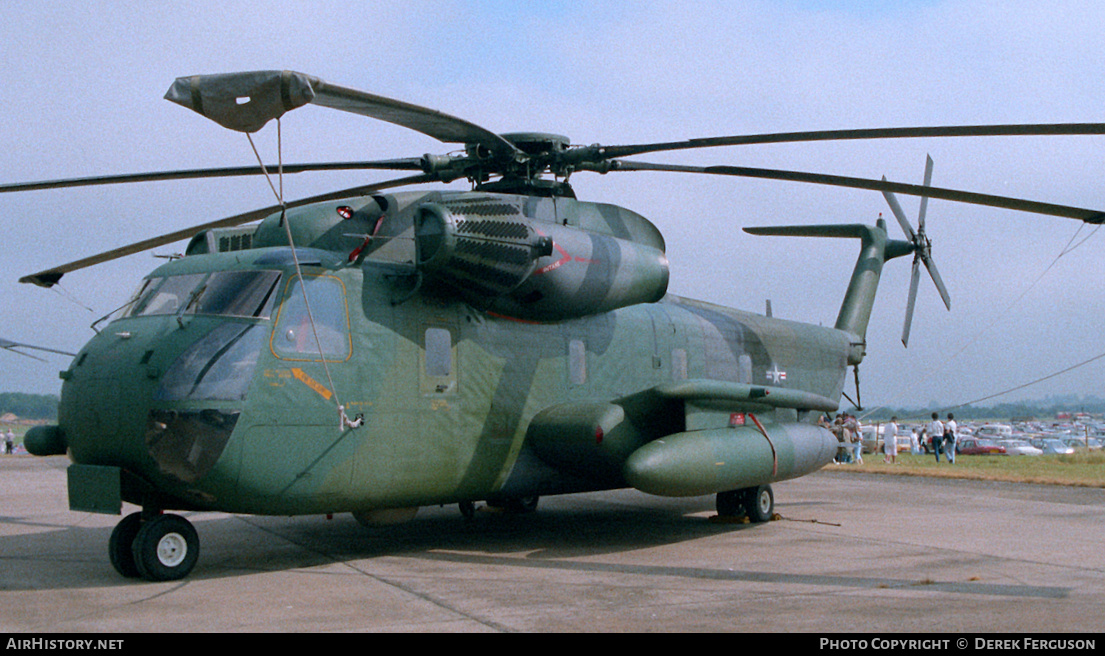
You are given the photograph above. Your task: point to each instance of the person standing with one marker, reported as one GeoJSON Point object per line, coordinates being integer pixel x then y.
{"type": "Point", "coordinates": [843, 449]}
{"type": "Point", "coordinates": [852, 423]}
{"type": "Point", "coordinates": [890, 441]}
{"type": "Point", "coordinates": [936, 434]}
{"type": "Point", "coordinates": [9, 442]}
{"type": "Point", "coordinates": [949, 438]}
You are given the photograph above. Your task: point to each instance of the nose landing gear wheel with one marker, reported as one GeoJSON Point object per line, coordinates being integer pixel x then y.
{"type": "Point", "coordinates": [166, 548]}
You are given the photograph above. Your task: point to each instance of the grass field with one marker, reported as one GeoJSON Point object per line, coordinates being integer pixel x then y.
{"type": "Point", "coordinates": [1085, 469]}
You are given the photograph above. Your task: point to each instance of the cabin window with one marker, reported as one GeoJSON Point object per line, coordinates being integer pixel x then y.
{"type": "Point", "coordinates": [577, 362]}
{"type": "Point", "coordinates": [439, 352]}
{"type": "Point", "coordinates": [679, 364]}
{"type": "Point", "coordinates": [322, 333]}
{"type": "Point", "coordinates": [744, 369]}
{"type": "Point", "coordinates": [438, 362]}
{"type": "Point", "coordinates": [237, 294]}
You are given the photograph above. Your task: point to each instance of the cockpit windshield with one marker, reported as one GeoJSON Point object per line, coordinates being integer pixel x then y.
{"type": "Point", "coordinates": [224, 293]}
{"type": "Point", "coordinates": [236, 294]}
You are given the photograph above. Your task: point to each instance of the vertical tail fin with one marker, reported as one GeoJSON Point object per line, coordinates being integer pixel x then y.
{"type": "Point", "coordinates": [875, 250]}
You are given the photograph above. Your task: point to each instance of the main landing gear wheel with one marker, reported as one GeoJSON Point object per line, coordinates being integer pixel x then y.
{"type": "Point", "coordinates": [166, 548]}
{"type": "Point", "coordinates": [730, 504]}
{"type": "Point", "coordinates": [756, 503]}
{"type": "Point", "coordinates": [760, 503]}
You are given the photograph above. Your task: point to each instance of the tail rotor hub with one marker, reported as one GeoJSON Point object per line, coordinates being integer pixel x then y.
{"type": "Point", "coordinates": [922, 251]}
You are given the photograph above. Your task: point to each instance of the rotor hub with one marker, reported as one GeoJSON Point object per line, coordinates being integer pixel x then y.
{"type": "Point", "coordinates": [538, 143]}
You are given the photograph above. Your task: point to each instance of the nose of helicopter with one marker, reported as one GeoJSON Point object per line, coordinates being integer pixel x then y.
{"type": "Point", "coordinates": [104, 396]}
{"type": "Point", "coordinates": [158, 398]}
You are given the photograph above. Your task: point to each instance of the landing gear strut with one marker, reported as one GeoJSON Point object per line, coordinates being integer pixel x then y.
{"type": "Point", "coordinates": [756, 503]}
{"type": "Point", "coordinates": [515, 505]}
{"type": "Point", "coordinates": [159, 548]}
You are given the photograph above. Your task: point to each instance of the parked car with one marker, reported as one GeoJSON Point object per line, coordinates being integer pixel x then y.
{"type": "Point", "coordinates": [1091, 443]}
{"type": "Point", "coordinates": [1051, 445]}
{"type": "Point", "coordinates": [998, 431]}
{"type": "Point", "coordinates": [978, 446]}
{"type": "Point", "coordinates": [905, 441]}
{"type": "Point", "coordinates": [874, 437]}
{"type": "Point", "coordinates": [1020, 448]}
{"type": "Point", "coordinates": [902, 442]}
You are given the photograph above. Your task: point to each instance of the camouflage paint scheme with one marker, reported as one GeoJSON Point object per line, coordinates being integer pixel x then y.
{"type": "Point", "coordinates": [523, 406]}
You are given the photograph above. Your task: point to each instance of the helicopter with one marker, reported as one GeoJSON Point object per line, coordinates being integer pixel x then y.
{"type": "Point", "coordinates": [374, 350]}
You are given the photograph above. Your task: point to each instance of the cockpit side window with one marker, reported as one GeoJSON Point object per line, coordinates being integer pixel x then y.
{"type": "Point", "coordinates": [139, 296]}
{"type": "Point", "coordinates": [294, 337]}
{"type": "Point", "coordinates": [169, 297]}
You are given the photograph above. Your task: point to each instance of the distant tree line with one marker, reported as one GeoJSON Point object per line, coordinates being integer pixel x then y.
{"type": "Point", "coordinates": [1045, 409]}
{"type": "Point", "coordinates": [29, 406]}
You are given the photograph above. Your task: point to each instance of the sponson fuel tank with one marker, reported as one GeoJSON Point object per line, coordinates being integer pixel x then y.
{"type": "Point", "coordinates": [715, 460]}
{"type": "Point", "coordinates": [589, 439]}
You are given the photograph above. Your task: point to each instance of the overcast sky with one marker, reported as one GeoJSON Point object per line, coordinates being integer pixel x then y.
{"type": "Point", "coordinates": [82, 84]}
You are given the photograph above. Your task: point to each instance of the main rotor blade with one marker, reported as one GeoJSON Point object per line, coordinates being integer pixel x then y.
{"type": "Point", "coordinates": [246, 101]}
{"type": "Point", "coordinates": [408, 164]}
{"type": "Point", "coordinates": [50, 277]}
{"type": "Point", "coordinates": [440, 126]}
{"type": "Point", "coordinates": [925, 199]}
{"type": "Point", "coordinates": [1004, 202]}
{"type": "Point", "coordinates": [1037, 129]}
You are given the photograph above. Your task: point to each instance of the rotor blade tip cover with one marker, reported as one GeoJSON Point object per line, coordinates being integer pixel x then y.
{"type": "Point", "coordinates": [244, 102]}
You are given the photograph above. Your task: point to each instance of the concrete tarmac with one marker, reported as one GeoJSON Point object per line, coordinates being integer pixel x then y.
{"type": "Point", "coordinates": [850, 553]}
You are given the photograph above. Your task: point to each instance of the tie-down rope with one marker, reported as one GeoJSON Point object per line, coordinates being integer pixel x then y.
{"type": "Point", "coordinates": [345, 421]}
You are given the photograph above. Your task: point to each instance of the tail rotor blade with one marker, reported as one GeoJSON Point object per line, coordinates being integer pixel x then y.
{"type": "Point", "coordinates": [931, 266]}
{"type": "Point", "coordinates": [899, 213]}
{"type": "Point", "coordinates": [921, 247]}
{"type": "Point", "coordinates": [912, 300]}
